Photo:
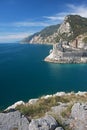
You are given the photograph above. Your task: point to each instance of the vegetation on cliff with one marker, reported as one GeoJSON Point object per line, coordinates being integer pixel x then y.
{"type": "Point", "coordinates": [46, 32]}
{"type": "Point", "coordinates": [72, 26]}
{"type": "Point", "coordinates": [78, 25]}
{"type": "Point", "coordinates": [43, 105]}
{"type": "Point", "coordinates": [67, 110]}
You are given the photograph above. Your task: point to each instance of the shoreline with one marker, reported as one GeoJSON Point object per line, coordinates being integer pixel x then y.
{"type": "Point", "coordinates": [67, 60]}
{"type": "Point", "coordinates": [59, 111]}
{"type": "Point", "coordinates": [34, 100]}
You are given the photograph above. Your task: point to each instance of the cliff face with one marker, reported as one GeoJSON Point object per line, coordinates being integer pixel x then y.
{"type": "Point", "coordinates": [72, 52]}
{"type": "Point", "coordinates": [47, 35]}
{"type": "Point", "coordinates": [72, 26]}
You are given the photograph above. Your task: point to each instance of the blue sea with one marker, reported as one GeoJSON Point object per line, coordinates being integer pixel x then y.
{"type": "Point", "coordinates": [25, 75]}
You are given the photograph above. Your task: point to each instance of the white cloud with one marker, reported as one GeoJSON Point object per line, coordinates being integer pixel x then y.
{"type": "Point", "coordinates": [53, 19]}
{"type": "Point", "coordinates": [46, 21]}
{"type": "Point", "coordinates": [25, 24]}
{"type": "Point", "coordinates": [71, 9]}
{"type": "Point", "coordinates": [59, 16]}
{"type": "Point", "coordinates": [13, 37]}
{"type": "Point", "coordinates": [79, 10]}
{"type": "Point", "coordinates": [28, 24]}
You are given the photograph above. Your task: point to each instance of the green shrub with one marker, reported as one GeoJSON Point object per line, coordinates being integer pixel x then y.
{"type": "Point", "coordinates": [38, 109]}
{"type": "Point", "coordinates": [44, 105]}
{"type": "Point", "coordinates": [41, 106]}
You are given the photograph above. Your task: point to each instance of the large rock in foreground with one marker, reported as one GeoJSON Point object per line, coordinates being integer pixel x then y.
{"type": "Point", "coordinates": [46, 123]}
{"type": "Point", "coordinates": [16, 121]}
{"type": "Point", "coordinates": [79, 116]}
{"type": "Point", "coordinates": [13, 121]}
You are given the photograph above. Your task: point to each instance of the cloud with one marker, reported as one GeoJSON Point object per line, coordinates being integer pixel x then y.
{"type": "Point", "coordinates": [25, 24]}
{"type": "Point", "coordinates": [29, 24]}
{"type": "Point", "coordinates": [39, 24]}
{"type": "Point", "coordinates": [71, 9]}
{"type": "Point", "coordinates": [50, 20]}
{"type": "Point", "coordinates": [79, 10]}
{"type": "Point", "coordinates": [59, 16]}
{"type": "Point", "coordinates": [13, 37]}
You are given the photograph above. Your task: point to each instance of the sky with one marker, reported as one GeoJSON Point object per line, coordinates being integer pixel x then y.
{"type": "Point", "coordinates": [21, 18]}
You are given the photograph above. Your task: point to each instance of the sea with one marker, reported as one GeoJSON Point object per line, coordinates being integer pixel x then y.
{"type": "Point", "coordinates": [25, 75]}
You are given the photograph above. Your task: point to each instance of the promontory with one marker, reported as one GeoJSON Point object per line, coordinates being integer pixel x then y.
{"type": "Point", "coordinates": [69, 40]}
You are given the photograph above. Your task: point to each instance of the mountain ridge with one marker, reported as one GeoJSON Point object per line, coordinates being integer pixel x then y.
{"type": "Point", "coordinates": [44, 33]}
{"type": "Point", "coordinates": [68, 30]}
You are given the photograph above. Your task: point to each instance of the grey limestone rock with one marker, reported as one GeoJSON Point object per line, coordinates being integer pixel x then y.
{"type": "Point", "coordinates": [13, 121]}
{"type": "Point", "coordinates": [79, 116]}
{"type": "Point", "coordinates": [59, 128]}
{"type": "Point", "coordinates": [16, 121]}
{"type": "Point", "coordinates": [45, 123]}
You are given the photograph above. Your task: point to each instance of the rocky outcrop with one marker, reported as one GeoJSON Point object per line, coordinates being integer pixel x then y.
{"type": "Point", "coordinates": [34, 101]}
{"type": "Point", "coordinates": [76, 119]}
{"type": "Point", "coordinates": [69, 53]}
{"type": "Point", "coordinates": [69, 114]}
{"type": "Point", "coordinates": [80, 42]}
{"type": "Point", "coordinates": [45, 36]}
{"type": "Point", "coordinates": [45, 123]}
{"type": "Point", "coordinates": [59, 128]}
{"type": "Point", "coordinates": [16, 121]}
{"type": "Point", "coordinates": [13, 121]}
{"type": "Point", "coordinates": [72, 26]}
{"type": "Point", "coordinates": [79, 116]}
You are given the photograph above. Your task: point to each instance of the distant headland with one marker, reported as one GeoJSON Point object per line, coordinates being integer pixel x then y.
{"type": "Point", "coordinates": [65, 53]}
{"type": "Point", "coordinates": [71, 28]}
{"type": "Point", "coordinates": [69, 40]}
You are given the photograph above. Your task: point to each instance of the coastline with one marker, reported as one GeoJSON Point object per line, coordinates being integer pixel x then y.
{"type": "Point", "coordinates": [65, 60]}
{"type": "Point", "coordinates": [33, 101]}
{"type": "Point", "coordinates": [59, 111]}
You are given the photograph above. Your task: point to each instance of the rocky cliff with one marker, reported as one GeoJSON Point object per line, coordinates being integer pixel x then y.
{"type": "Point", "coordinates": [69, 52]}
{"type": "Point", "coordinates": [47, 35]}
{"type": "Point", "coordinates": [72, 26]}
{"type": "Point", "coordinates": [67, 111]}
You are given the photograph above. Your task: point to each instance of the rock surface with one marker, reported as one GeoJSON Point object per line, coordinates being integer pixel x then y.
{"type": "Point", "coordinates": [16, 121]}
{"type": "Point", "coordinates": [13, 121]}
{"type": "Point", "coordinates": [77, 119]}
{"type": "Point", "coordinates": [72, 26]}
{"type": "Point", "coordinates": [45, 123]}
{"type": "Point", "coordinates": [75, 116]}
{"type": "Point", "coordinates": [59, 128]}
{"type": "Point", "coordinates": [79, 116]}
{"type": "Point", "coordinates": [67, 54]}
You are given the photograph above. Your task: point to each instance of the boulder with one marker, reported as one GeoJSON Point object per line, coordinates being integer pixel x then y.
{"type": "Point", "coordinates": [59, 128]}
{"type": "Point", "coordinates": [79, 116]}
{"type": "Point", "coordinates": [45, 123]}
{"type": "Point", "coordinates": [16, 121]}
{"type": "Point", "coordinates": [13, 121]}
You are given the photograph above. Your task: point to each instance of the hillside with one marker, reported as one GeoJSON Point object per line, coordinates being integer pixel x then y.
{"type": "Point", "coordinates": [42, 36]}
{"type": "Point", "coordinates": [72, 26]}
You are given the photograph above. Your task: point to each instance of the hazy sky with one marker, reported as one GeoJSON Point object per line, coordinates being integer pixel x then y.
{"type": "Point", "coordinates": [21, 18]}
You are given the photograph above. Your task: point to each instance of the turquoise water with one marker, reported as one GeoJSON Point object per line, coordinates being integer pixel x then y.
{"type": "Point", "coordinates": [24, 74]}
